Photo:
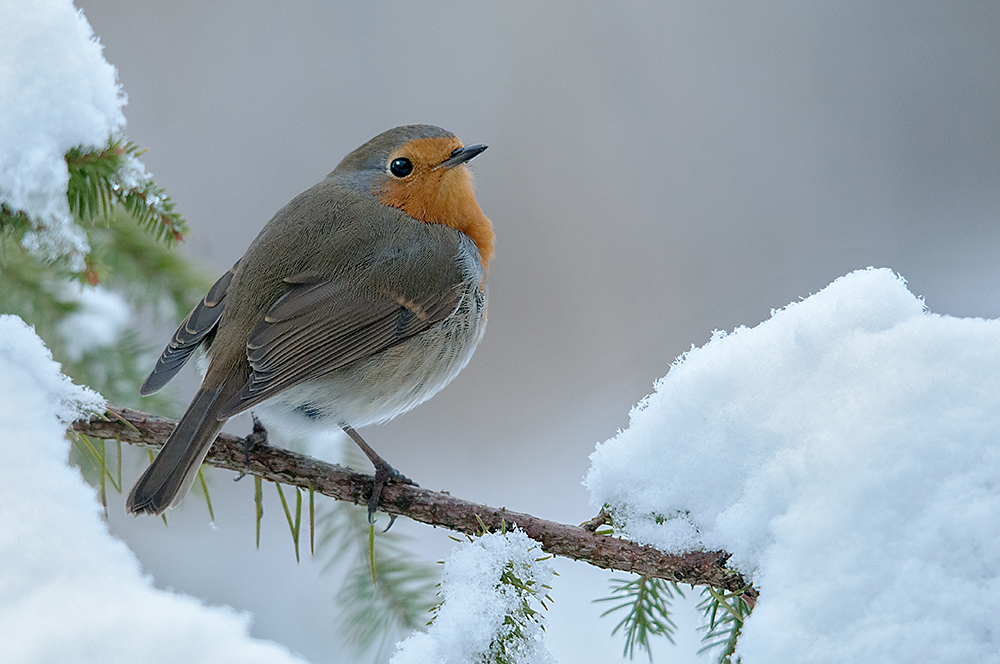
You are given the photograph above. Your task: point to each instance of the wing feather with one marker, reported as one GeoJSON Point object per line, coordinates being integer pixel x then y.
{"type": "Point", "coordinates": [318, 327]}
{"type": "Point", "coordinates": [189, 335]}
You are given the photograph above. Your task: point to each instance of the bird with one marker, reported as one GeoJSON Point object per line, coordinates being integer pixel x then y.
{"type": "Point", "coordinates": [361, 298]}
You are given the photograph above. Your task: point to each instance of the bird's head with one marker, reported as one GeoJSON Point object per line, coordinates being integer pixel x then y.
{"type": "Point", "coordinates": [421, 170]}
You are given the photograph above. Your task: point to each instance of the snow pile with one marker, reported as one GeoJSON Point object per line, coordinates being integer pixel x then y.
{"type": "Point", "coordinates": [847, 452]}
{"type": "Point", "coordinates": [58, 93]}
{"type": "Point", "coordinates": [69, 592]}
{"type": "Point", "coordinates": [471, 623]}
{"type": "Point", "coordinates": [29, 376]}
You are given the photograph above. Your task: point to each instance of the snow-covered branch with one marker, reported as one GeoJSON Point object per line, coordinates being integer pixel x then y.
{"type": "Point", "coordinates": [432, 507]}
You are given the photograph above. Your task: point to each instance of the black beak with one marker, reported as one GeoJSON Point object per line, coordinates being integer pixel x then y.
{"type": "Point", "coordinates": [462, 155]}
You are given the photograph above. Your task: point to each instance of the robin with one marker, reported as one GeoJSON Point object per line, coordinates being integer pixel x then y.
{"type": "Point", "coordinates": [360, 299]}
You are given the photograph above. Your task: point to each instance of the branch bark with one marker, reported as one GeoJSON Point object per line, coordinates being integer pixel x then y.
{"type": "Point", "coordinates": [432, 507]}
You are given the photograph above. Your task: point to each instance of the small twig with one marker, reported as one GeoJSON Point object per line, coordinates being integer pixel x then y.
{"type": "Point", "coordinates": [602, 518]}
{"type": "Point", "coordinates": [700, 568]}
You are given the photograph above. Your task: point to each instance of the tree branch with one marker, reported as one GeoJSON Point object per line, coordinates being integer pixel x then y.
{"type": "Point", "coordinates": [432, 507]}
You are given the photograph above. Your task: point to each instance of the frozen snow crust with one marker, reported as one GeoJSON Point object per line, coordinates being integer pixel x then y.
{"type": "Point", "coordinates": [69, 591]}
{"type": "Point", "coordinates": [58, 93]}
{"type": "Point", "coordinates": [476, 605]}
{"type": "Point", "coordinates": [847, 453]}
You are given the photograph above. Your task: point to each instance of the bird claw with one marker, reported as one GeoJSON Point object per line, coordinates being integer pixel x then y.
{"type": "Point", "coordinates": [256, 437]}
{"type": "Point", "coordinates": [384, 473]}
{"type": "Point", "coordinates": [392, 520]}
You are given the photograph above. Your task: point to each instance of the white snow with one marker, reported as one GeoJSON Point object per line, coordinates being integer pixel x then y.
{"type": "Point", "coordinates": [69, 592]}
{"type": "Point", "coordinates": [476, 603]}
{"type": "Point", "coordinates": [847, 453]}
{"type": "Point", "coordinates": [58, 92]}
{"type": "Point", "coordinates": [99, 321]}
{"type": "Point", "coordinates": [27, 374]}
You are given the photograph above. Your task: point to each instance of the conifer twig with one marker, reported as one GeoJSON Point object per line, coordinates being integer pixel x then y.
{"type": "Point", "coordinates": [702, 568]}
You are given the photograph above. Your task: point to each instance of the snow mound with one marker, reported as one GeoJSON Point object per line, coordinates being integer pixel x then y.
{"type": "Point", "coordinates": [472, 618]}
{"type": "Point", "coordinates": [58, 93]}
{"type": "Point", "coordinates": [69, 591]}
{"type": "Point", "coordinates": [847, 453]}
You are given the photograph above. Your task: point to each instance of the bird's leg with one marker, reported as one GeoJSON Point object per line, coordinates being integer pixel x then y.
{"type": "Point", "coordinates": [256, 437]}
{"type": "Point", "coordinates": [384, 473]}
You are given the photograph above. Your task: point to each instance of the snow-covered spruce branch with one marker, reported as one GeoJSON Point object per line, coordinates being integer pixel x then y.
{"type": "Point", "coordinates": [701, 568]}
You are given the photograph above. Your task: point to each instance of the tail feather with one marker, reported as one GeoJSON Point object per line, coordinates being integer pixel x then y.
{"type": "Point", "coordinates": [172, 472]}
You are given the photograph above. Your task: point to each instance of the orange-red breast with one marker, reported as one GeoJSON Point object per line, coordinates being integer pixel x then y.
{"type": "Point", "coordinates": [360, 299]}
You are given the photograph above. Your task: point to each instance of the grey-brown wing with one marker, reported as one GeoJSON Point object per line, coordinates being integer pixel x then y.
{"type": "Point", "coordinates": [316, 328]}
{"type": "Point", "coordinates": [188, 336]}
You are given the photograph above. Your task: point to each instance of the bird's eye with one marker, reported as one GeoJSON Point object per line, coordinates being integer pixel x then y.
{"type": "Point", "coordinates": [401, 167]}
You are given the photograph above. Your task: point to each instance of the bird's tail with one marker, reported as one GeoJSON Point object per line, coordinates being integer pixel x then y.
{"type": "Point", "coordinates": [169, 477]}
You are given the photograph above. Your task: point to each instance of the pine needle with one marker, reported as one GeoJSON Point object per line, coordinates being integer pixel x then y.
{"type": "Point", "coordinates": [294, 523]}
{"type": "Point", "coordinates": [258, 498]}
{"type": "Point", "coordinates": [724, 615]}
{"type": "Point", "coordinates": [208, 497]}
{"type": "Point", "coordinates": [647, 601]}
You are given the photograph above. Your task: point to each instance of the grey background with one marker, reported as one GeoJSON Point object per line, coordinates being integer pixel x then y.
{"type": "Point", "coordinates": [657, 170]}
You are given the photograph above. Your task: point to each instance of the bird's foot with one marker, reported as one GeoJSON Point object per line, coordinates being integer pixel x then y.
{"type": "Point", "coordinates": [384, 473]}
{"type": "Point", "coordinates": [256, 437]}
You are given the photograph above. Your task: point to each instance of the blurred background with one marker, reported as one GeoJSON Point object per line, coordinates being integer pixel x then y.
{"type": "Point", "coordinates": [656, 171]}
